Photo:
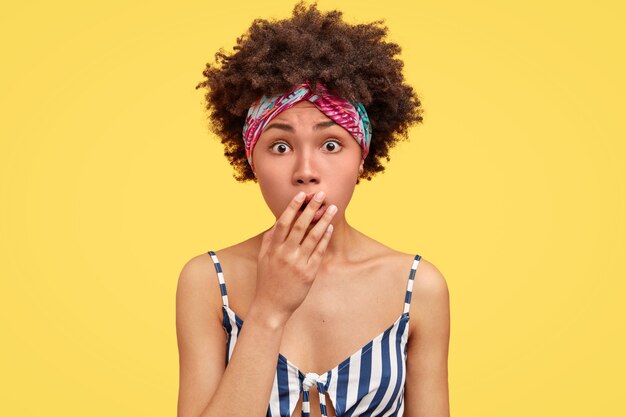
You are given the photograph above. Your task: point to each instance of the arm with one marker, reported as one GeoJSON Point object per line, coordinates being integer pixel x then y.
{"type": "Point", "coordinates": [287, 265]}
{"type": "Point", "coordinates": [426, 393]}
{"type": "Point", "coordinates": [207, 387]}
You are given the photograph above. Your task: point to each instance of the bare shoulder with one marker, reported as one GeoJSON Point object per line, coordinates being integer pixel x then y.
{"type": "Point", "coordinates": [198, 284]}
{"type": "Point", "coordinates": [430, 299]}
{"type": "Point", "coordinates": [429, 281]}
{"type": "Point", "coordinates": [199, 274]}
{"type": "Point", "coordinates": [429, 294]}
{"type": "Point", "coordinates": [200, 335]}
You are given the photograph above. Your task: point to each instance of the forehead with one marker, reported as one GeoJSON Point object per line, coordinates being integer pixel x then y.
{"type": "Point", "coordinates": [301, 111]}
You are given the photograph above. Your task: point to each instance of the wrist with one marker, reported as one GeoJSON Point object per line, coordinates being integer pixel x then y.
{"type": "Point", "coordinates": [266, 317]}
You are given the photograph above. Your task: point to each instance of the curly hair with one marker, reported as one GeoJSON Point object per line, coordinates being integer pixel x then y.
{"type": "Point", "coordinates": [350, 60]}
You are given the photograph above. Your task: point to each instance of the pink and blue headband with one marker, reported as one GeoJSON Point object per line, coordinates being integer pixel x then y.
{"type": "Point", "coordinates": [350, 114]}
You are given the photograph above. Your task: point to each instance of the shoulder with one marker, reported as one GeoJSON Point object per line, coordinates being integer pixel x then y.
{"type": "Point", "coordinates": [429, 281]}
{"type": "Point", "coordinates": [200, 271]}
{"type": "Point", "coordinates": [198, 286]}
{"type": "Point", "coordinates": [429, 293]}
{"type": "Point", "coordinates": [430, 299]}
{"type": "Point", "coordinates": [199, 281]}
{"type": "Point", "coordinates": [196, 272]}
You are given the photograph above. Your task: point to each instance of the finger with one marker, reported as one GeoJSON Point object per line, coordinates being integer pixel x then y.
{"type": "Point", "coordinates": [283, 223]}
{"type": "Point", "coordinates": [304, 220]}
{"type": "Point", "coordinates": [267, 240]}
{"type": "Point", "coordinates": [316, 257]}
{"type": "Point", "coordinates": [317, 232]}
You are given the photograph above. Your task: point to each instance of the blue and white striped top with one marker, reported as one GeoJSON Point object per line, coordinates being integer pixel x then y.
{"type": "Point", "coordinates": [368, 383]}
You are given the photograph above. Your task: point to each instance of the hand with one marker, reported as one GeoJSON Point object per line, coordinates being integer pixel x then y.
{"type": "Point", "coordinates": [288, 261]}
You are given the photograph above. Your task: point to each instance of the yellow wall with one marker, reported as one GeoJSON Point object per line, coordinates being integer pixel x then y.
{"type": "Point", "coordinates": [514, 187]}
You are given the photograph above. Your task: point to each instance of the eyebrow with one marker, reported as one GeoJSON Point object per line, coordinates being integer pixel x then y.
{"type": "Point", "coordinates": [289, 128]}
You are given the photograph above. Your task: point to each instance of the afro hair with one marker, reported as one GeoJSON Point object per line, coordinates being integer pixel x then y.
{"type": "Point", "coordinates": [274, 56]}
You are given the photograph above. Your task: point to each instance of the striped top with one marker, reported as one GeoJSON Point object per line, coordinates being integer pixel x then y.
{"type": "Point", "coordinates": [370, 382]}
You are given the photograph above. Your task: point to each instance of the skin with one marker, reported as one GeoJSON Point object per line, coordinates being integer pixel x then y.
{"type": "Point", "coordinates": [359, 288]}
{"type": "Point", "coordinates": [311, 159]}
{"type": "Point", "coordinates": [308, 162]}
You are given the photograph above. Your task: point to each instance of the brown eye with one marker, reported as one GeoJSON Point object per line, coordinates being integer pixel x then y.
{"type": "Point", "coordinates": [331, 145]}
{"type": "Point", "coordinates": [279, 147]}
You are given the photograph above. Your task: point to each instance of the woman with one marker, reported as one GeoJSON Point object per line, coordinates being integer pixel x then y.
{"type": "Point", "coordinates": [336, 323]}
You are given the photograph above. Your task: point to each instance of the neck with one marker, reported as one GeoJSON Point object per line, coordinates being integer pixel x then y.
{"type": "Point", "coordinates": [343, 243]}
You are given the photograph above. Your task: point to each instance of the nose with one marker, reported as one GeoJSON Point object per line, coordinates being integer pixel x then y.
{"type": "Point", "coordinates": [305, 170]}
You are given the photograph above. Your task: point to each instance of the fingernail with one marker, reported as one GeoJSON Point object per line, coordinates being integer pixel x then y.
{"type": "Point", "coordinates": [320, 196]}
{"type": "Point", "coordinates": [332, 209]}
{"type": "Point", "coordinates": [300, 196]}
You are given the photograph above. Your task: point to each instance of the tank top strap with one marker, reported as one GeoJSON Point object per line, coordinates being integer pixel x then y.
{"type": "Point", "coordinates": [409, 287]}
{"type": "Point", "coordinates": [220, 276]}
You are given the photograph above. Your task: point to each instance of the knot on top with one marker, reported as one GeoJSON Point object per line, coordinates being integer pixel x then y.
{"type": "Point", "coordinates": [312, 378]}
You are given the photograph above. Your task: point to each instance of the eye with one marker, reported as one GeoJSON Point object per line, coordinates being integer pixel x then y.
{"type": "Point", "coordinates": [281, 147]}
{"type": "Point", "coordinates": [332, 148]}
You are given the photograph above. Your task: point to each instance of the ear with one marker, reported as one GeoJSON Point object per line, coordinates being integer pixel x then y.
{"type": "Point", "coordinates": [361, 167]}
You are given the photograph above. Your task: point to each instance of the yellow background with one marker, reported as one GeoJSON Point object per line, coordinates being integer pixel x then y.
{"type": "Point", "coordinates": [514, 187]}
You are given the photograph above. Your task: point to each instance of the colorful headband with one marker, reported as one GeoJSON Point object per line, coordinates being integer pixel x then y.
{"type": "Point", "coordinates": [350, 114]}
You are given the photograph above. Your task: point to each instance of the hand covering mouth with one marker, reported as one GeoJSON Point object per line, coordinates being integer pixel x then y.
{"type": "Point", "coordinates": [308, 198]}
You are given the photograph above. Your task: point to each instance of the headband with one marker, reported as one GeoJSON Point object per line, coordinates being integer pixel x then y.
{"type": "Point", "coordinates": [350, 114]}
